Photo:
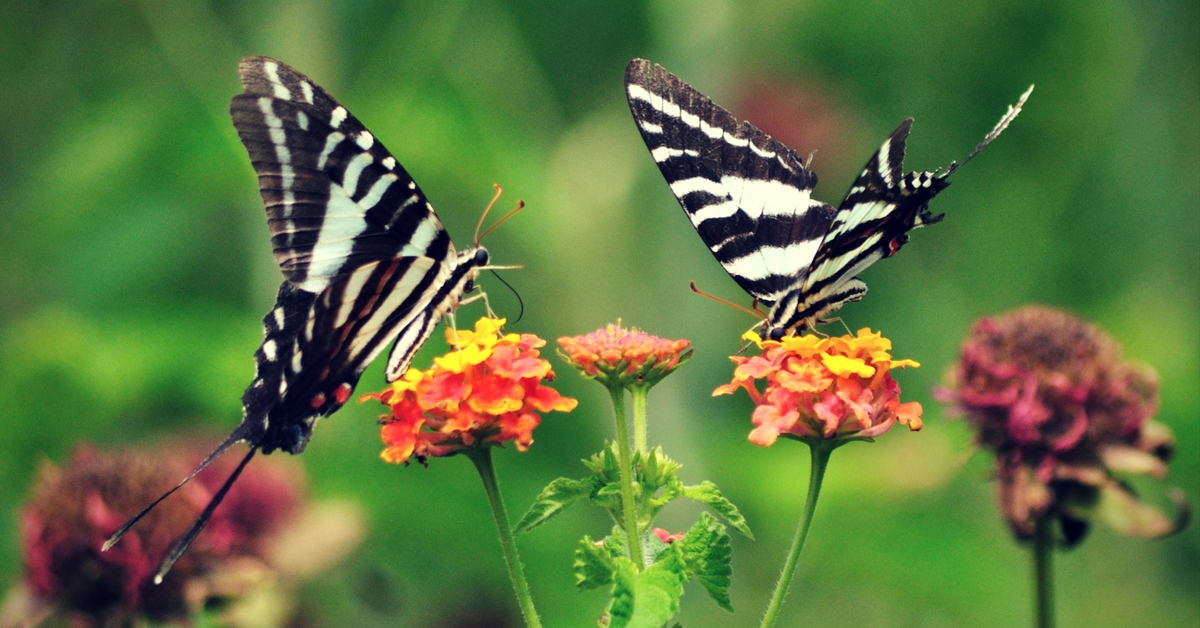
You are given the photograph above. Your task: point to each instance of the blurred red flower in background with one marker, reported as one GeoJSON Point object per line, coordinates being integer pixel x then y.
{"type": "Point", "coordinates": [1048, 393]}
{"type": "Point", "coordinates": [73, 510]}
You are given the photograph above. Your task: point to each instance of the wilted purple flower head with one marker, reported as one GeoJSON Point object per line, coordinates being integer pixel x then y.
{"type": "Point", "coordinates": [73, 510]}
{"type": "Point", "coordinates": [1050, 395]}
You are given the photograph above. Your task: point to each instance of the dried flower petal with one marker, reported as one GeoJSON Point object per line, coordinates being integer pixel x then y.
{"type": "Point", "coordinates": [1049, 394]}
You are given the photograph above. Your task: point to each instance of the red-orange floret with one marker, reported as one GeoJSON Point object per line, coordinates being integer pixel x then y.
{"type": "Point", "coordinates": [822, 388]}
{"type": "Point", "coordinates": [616, 356]}
{"type": "Point", "coordinates": [488, 390]}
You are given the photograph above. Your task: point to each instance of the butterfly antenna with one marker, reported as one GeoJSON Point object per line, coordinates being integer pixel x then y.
{"type": "Point", "coordinates": [520, 302]}
{"type": "Point", "coordinates": [1005, 120]}
{"type": "Point", "coordinates": [755, 313]}
{"type": "Point", "coordinates": [487, 209]}
{"type": "Point", "coordinates": [519, 207]}
{"type": "Point", "coordinates": [181, 546]}
{"type": "Point", "coordinates": [237, 435]}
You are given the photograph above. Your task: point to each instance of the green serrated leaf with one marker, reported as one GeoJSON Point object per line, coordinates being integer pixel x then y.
{"type": "Point", "coordinates": [553, 499]}
{"type": "Point", "coordinates": [615, 543]}
{"type": "Point", "coordinates": [609, 490]}
{"type": "Point", "coordinates": [620, 611]}
{"type": "Point", "coordinates": [672, 490]}
{"type": "Point", "coordinates": [707, 556]}
{"type": "Point", "coordinates": [648, 599]}
{"type": "Point", "coordinates": [593, 565]}
{"type": "Point", "coordinates": [708, 494]}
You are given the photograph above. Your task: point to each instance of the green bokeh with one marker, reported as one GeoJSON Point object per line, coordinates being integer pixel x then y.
{"type": "Point", "coordinates": [134, 266]}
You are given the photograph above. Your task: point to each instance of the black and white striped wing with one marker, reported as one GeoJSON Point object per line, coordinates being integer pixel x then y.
{"type": "Point", "coordinates": [872, 223]}
{"type": "Point", "coordinates": [335, 197]}
{"type": "Point", "coordinates": [748, 196]}
{"type": "Point", "coordinates": [365, 257]}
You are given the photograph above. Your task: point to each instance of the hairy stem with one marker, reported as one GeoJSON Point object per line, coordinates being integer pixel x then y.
{"type": "Point", "coordinates": [820, 458]}
{"type": "Point", "coordinates": [482, 457]}
{"type": "Point", "coordinates": [625, 458]}
{"type": "Point", "coordinates": [639, 418]}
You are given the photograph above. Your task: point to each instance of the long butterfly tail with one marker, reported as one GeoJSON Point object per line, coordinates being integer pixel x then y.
{"type": "Point", "coordinates": [181, 546]}
{"type": "Point", "coordinates": [238, 434]}
{"type": "Point", "coordinates": [1008, 117]}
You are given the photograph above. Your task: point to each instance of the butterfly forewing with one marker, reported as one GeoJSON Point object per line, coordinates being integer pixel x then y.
{"type": "Point", "coordinates": [747, 195]}
{"type": "Point", "coordinates": [335, 197]}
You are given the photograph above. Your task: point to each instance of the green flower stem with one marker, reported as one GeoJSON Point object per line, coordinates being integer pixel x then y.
{"type": "Point", "coordinates": [820, 458]}
{"type": "Point", "coordinates": [482, 457]}
{"type": "Point", "coordinates": [628, 503]}
{"type": "Point", "coordinates": [1043, 567]}
{"type": "Point", "coordinates": [639, 417]}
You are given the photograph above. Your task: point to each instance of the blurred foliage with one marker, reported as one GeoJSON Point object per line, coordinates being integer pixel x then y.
{"type": "Point", "coordinates": [134, 265]}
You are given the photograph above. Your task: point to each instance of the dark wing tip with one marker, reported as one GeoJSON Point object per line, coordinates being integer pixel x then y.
{"type": "Point", "coordinates": [255, 79]}
{"type": "Point", "coordinates": [657, 79]}
{"type": "Point", "coordinates": [250, 70]}
{"type": "Point", "coordinates": [901, 133]}
{"type": "Point", "coordinates": [896, 143]}
{"type": "Point", "coordinates": [637, 71]}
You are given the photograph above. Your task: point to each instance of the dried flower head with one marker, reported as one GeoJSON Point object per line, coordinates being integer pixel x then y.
{"type": "Point", "coordinates": [486, 391]}
{"type": "Point", "coordinates": [616, 356]}
{"type": "Point", "coordinates": [73, 510]}
{"type": "Point", "coordinates": [1049, 394]}
{"type": "Point", "coordinates": [823, 388]}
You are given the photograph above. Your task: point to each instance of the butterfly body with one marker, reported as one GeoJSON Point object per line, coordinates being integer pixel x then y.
{"type": "Point", "coordinates": [750, 199]}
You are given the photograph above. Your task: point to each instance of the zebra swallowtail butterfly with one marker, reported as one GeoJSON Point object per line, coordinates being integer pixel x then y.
{"type": "Point", "coordinates": [364, 256]}
{"type": "Point", "coordinates": [749, 198]}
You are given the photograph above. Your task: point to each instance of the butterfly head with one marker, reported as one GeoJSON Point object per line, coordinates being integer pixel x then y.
{"type": "Point", "coordinates": [474, 260]}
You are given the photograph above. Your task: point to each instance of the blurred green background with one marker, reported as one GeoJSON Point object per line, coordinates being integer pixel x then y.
{"type": "Point", "coordinates": [135, 267]}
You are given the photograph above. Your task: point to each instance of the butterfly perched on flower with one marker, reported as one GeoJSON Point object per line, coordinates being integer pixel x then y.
{"type": "Point", "coordinates": [365, 259]}
{"type": "Point", "coordinates": [750, 199]}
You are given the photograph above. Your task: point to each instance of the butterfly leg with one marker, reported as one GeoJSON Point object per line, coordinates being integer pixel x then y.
{"type": "Point", "coordinates": [452, 322]}
{"type": "Point", "coordinates": [474, 298]}
{"type": "Point", "coordinates": [830, 321]}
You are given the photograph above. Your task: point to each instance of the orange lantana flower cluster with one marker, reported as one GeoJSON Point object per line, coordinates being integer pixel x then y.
{"type": "Point", "coordinates": [487, 390]}
{"type": "Point", "coordinates": [617, 356]}
{"type": "Point", "coordinates": [823, 388]}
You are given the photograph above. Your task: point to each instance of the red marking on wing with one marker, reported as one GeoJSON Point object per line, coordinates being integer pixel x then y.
{"type": "Point", "coordinates": [342, 393]}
